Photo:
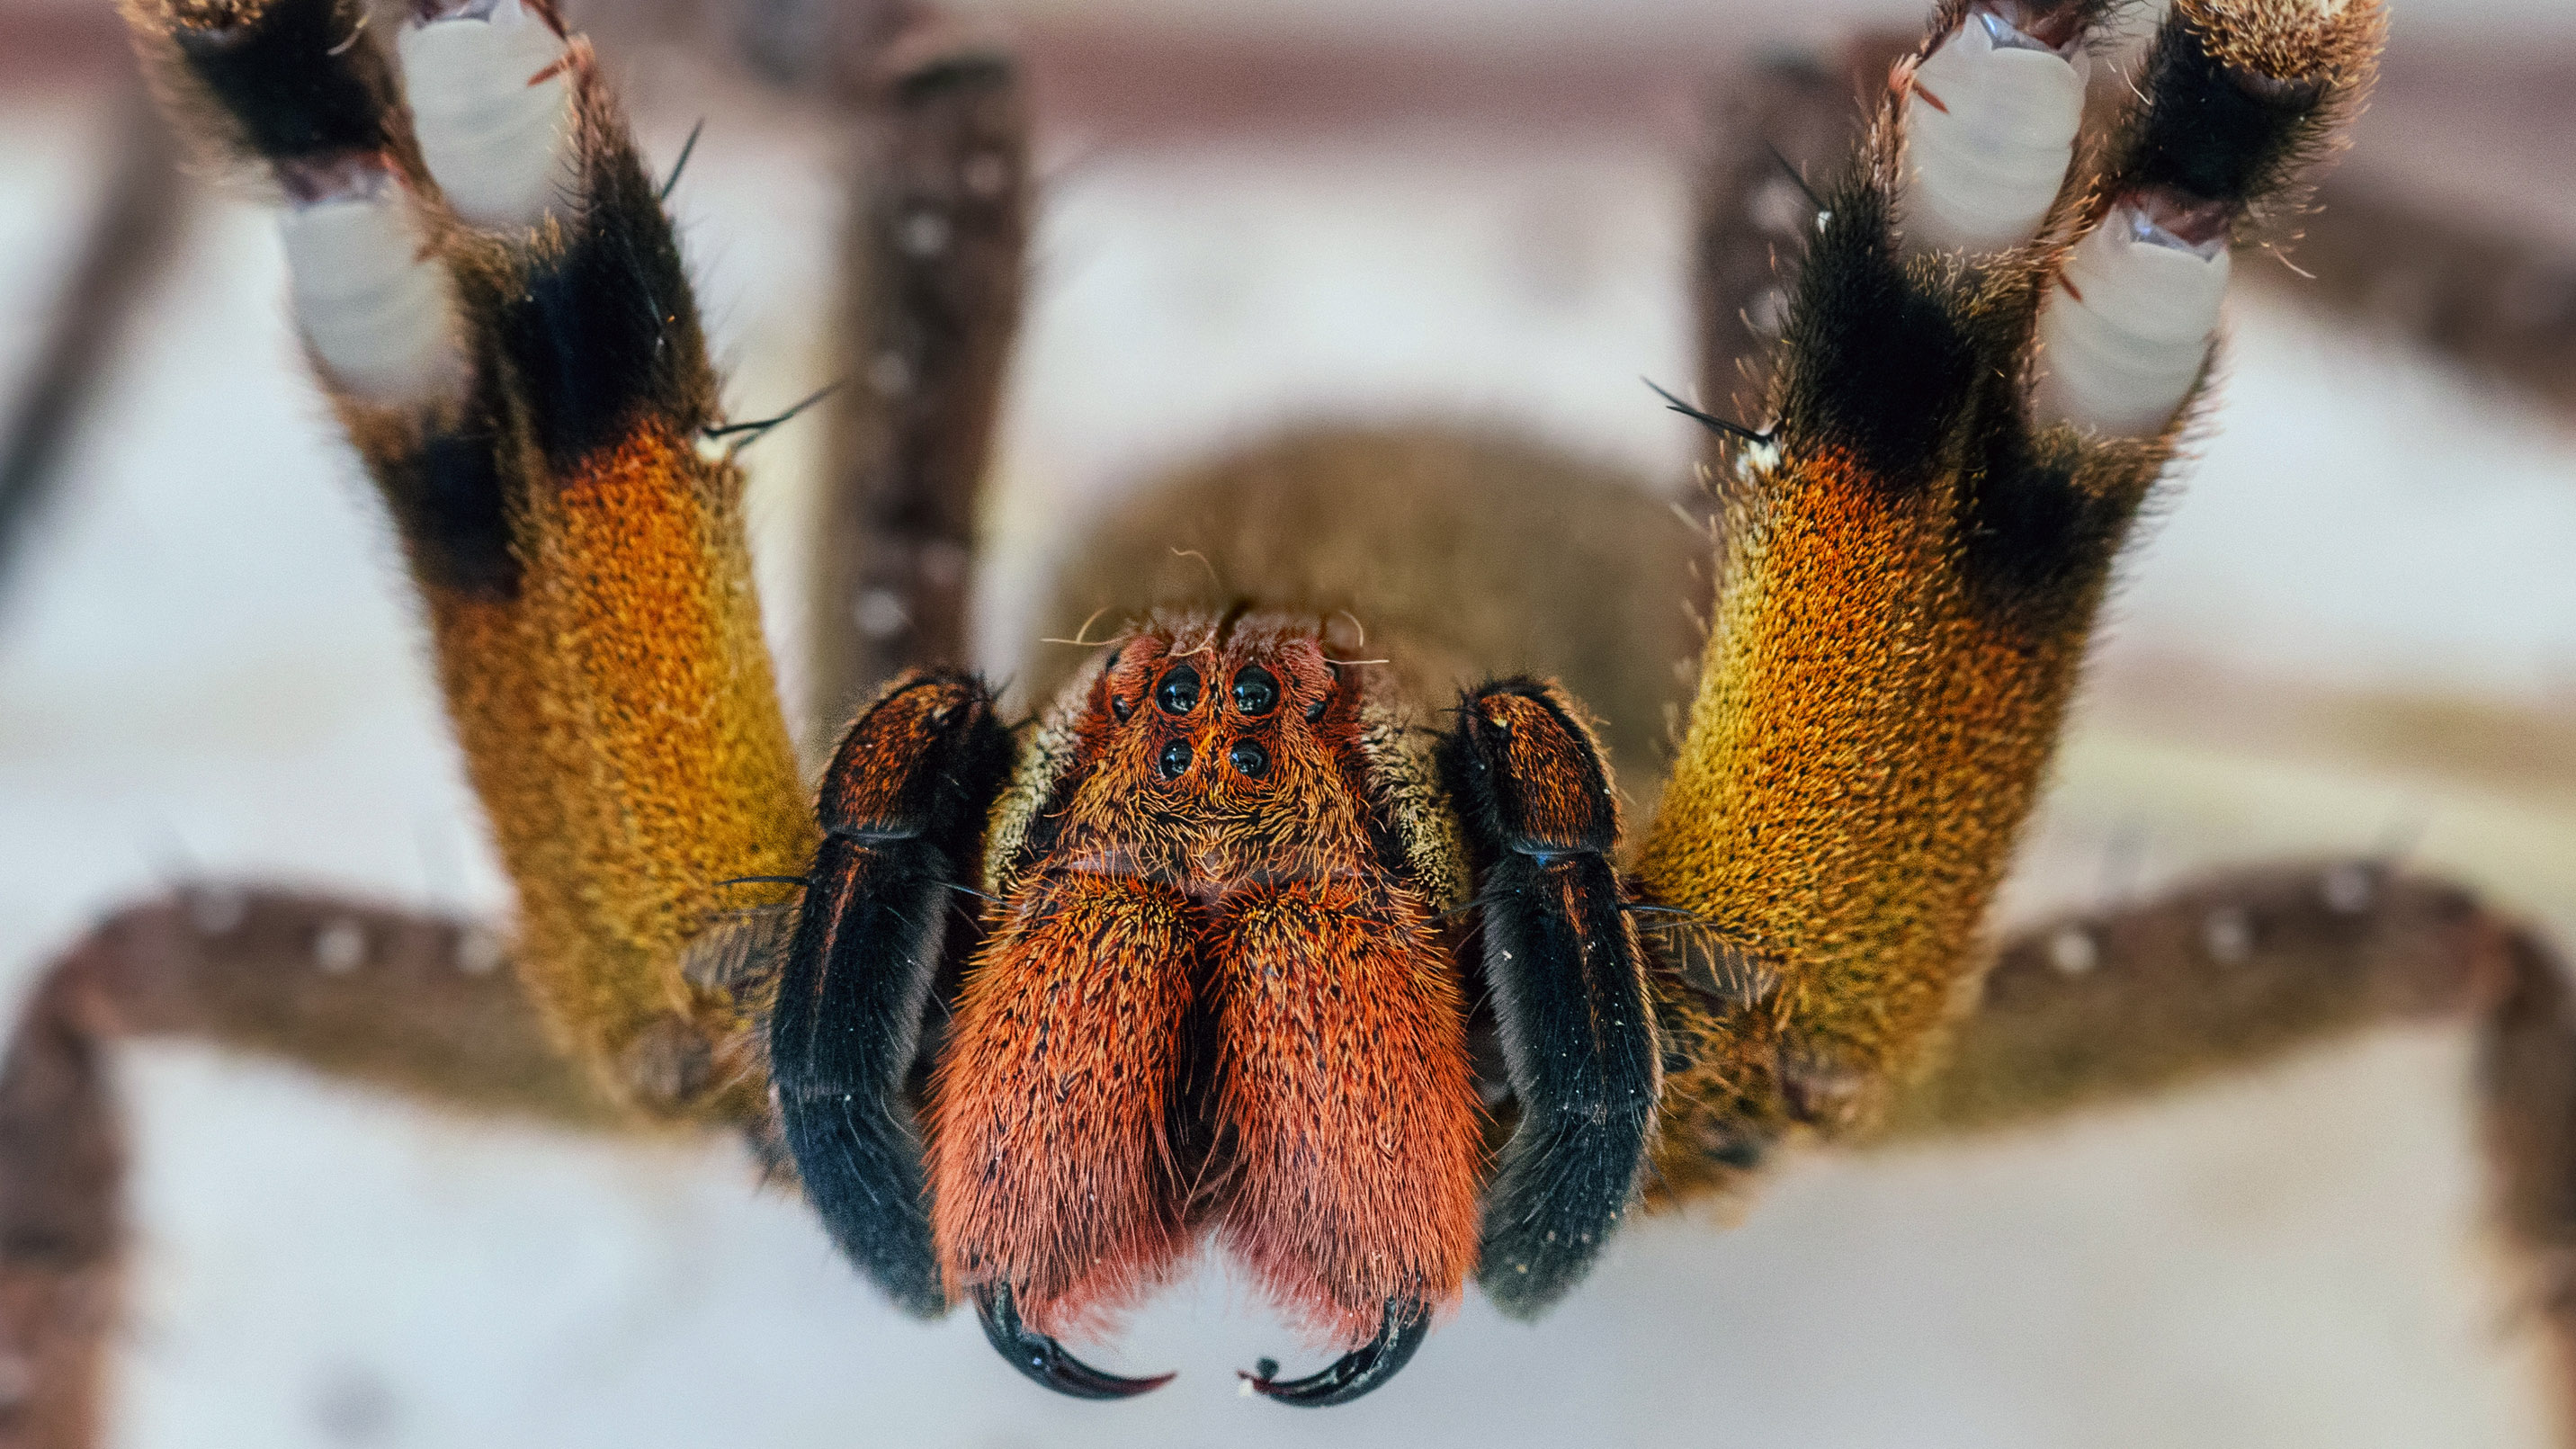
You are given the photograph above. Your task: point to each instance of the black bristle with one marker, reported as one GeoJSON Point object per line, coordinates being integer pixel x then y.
{"type": "Point", "coordinates": [2211, 132]}
{"type": "Point", "coordinates": [606, 331]}
{"type": "Point", "coordinates": [299, 77]}
{"type": "Point", "coordinates": [1883, 364]}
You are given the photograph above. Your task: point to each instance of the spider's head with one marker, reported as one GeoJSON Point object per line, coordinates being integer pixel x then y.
{"type": "Point", "coordinates": [1205, 753]}
{"type": "Point", "coordinates": [1213, 998]}
{"type": "Point", "coordinates": [1214, 990]}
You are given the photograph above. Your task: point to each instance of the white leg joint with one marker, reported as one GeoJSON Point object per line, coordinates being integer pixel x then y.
{"type": "Point", "coordinates": [1989, 132]}
{"type": "Point", "coordinates": [377, 307]}
{"type": "Point", "coordinates": [2125, 333]}
{"type": "Point", "coordinates": [494, 134]}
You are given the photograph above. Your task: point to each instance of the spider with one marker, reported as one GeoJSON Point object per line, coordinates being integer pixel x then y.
{"type": "Point", "coordinates": [1305, 917]}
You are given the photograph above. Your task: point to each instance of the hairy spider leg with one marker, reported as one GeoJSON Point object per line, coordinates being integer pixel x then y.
{"type": "Point", "coordinates": [2111, 1005]}
{"type": "Point", "coordinates": [1562, 959]}
{"type": "Point", "coordinates": [889, 908]}
{"type": "Point", "coordinates": [525, 377]}
{"type": "Point", "coordinates": [932, 276]}
{"type": "Point", "coordinates": [1909, 570]}
{"type": "Point", "coordinates": [2244, 970]}
{"type": "Point", "coordinates": [405, 1002]}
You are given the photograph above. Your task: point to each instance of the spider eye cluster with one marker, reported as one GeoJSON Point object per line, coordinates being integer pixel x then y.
{"type": "Point", "coordinates": [1213, 707]}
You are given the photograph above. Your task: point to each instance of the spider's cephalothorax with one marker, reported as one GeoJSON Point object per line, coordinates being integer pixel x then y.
{"type": "Point", "coordinates": [1216, 986]}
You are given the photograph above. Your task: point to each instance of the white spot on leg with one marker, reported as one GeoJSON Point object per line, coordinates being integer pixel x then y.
{"type": "Point", "coordinates": [217, 910]}
{"type": "Point", "coordinates": [494, 134]}
{"type": "Point", "coordinates": [925, 235]}
{"type": "Point", "coordinates": [377, 306]}
{"type": "Point", "coordinates": [2125, 332]}
{"type": "Point", "coordinates": [2347, 889]}
{"type": "Point", "coordinates": [340, 947]}
{"type": "Point", "coordinates": [890, 375]}
{"type": "Point", "coordinates": [2227, 936]}
{"type": "Point", "coordinates": [2072, 951]}
{"type": "Point", "coordinates": [478, 952]}
{"type": "Point", "coordinates": [1989, 132]}
{"type": "Point", "coordinates": [880, 615]}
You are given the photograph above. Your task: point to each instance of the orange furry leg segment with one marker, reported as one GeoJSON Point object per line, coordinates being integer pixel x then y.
{"type": "Point", "coordinates": [1051, 1165]}
{"type": "Point", "coordinates": [1355, 1132]}
{"type": "Point", "coordinates": [530, 404]}
{"type": "Point", "coordinates": [1569, 985]}
{"type": "Point", "coordinates": [630, 708]}
{"type": "Point", "coordinates": [885, 913]}
{"type": "Point", "coordinates": [1908, 575]}
{"type": "Point", "coordinates": [659, 740]}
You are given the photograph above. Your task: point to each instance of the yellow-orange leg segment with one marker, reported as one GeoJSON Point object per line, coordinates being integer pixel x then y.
{"type": "Point", "coordinates": [501, 319]}
{"type": "Point", "coordinates": [1914, 550]}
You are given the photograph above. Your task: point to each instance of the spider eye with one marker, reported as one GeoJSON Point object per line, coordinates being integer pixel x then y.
{"type": "Point", "coordinates": [1248, 756]}
{"type": "Point", "coordinates": [1174, 759]}
{"type": "Point", "coordinates": [1121, 708]}
{"type": "Point", "coordinates": [1256, 690]}
{"type": "Point", "coordinates": [1315, 711]}
{"type": "Point", "coordinates": [1179, 691]}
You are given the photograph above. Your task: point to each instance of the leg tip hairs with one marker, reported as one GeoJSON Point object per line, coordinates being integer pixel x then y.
{"type": "Point", "coordinates": [2239, 95]}
{"type": "Point", "coordinates": [863, 1179]}
{"type": "Point", "coordinates": [1361, 1371]}
{"type": "Point", "coordinates": [1045, 1361]}
{"type": "Point", "coordinates": [1544, 1229]}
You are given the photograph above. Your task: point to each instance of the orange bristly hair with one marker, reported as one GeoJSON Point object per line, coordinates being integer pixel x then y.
{"type": "Point", "coordinates": [1231, 895]}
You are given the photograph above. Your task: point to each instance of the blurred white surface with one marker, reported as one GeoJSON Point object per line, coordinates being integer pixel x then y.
{"type": "Point", "coordinates": [207, 668]}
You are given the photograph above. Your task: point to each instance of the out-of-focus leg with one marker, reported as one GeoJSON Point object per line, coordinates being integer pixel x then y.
{"type": "Point", "coordinates": [415, 1004]}
{"type": "Point", "coordinates": [2242, 970]}
{"type": "Point", "coordinates": [932, 274]}
{"type": "Point", "coordinates": [2234, 971]}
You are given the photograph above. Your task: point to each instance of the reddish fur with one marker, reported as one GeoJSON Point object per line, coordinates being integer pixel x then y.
{"type": "Point", "coordinates": [1351, 1174]}
{"type": "Point", "coordinates": [1048, 1162]}
{"type": "Point", "coordinates": [1357, 1142]}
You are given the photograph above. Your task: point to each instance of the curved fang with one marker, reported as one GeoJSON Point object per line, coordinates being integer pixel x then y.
{"type": "Point", "coordinates": [1357, 1372]}
{"type": "Point", "coordinates": [1043, 1359]}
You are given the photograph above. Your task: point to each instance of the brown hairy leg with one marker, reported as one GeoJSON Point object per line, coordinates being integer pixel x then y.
{"type": "Point", "coordinates": [2246, 968]}
{"type": "Point", "coordinates": [932, 276]}
{"type": "Point", "coordinates": [1916, 543]}
{"type": "Point", "coordinates": [418, 1004]}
